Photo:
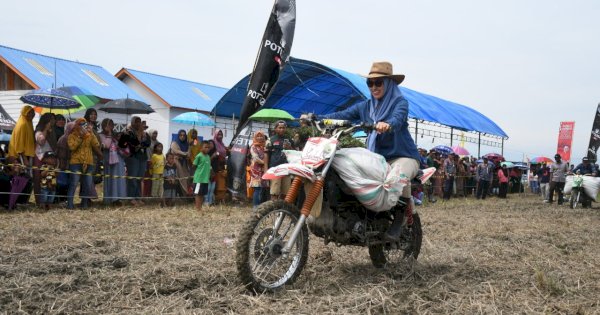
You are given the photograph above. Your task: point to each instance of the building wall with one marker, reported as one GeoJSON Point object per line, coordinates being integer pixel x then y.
{"type": "Point", "coordinates": [9, 80]}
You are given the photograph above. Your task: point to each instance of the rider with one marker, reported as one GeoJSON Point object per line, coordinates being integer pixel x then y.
{"type": "Point", "coordinates": [585, 167]}
{"type": "Point", "coordinates": [388, 111]}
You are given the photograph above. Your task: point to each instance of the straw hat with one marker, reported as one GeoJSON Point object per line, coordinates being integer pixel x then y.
{"type": "Point", "coordinates": [384, 69]}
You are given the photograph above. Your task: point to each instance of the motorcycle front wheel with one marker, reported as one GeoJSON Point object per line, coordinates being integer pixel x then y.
{"type": "Point", "coordinates": [408, 247]}
{"type": "Point", "coordinates": [262, 265]}
{"type": "Point", "coordinates": [575, 195]}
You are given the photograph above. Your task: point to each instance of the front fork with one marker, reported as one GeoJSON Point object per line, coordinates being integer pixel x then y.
{"type": "Point", "coordinates": [290, 198]}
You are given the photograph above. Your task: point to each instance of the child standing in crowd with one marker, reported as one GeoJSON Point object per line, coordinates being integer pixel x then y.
{"type": "Point", "coordinates": [171, 184]}
{"type": "Point", "coordinates": [257, 166]}
{"type": "Point", "coordinates": [214, 166]}
{"type": "Point", "coordinates": [157, 169]}
{"type": "Point", "coordinates": [201, 175]}
{"type": "Point", "coordinates": [48, 179]}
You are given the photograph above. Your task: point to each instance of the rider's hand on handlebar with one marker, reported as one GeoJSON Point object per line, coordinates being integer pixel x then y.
{"type": "Point", "coordinates": [382, 127]}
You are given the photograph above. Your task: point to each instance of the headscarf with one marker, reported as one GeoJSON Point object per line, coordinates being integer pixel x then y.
{"type": "Point", "coordinates": [255, 141]}
{"type": "Point", "coordinates": [152, 143]}
{"type": "Point", "coordinates": [69, 128]}
{"type": "Point", "coordinates": [77, 127]}
{"type": "Point", "coordinates": [183, 145]}
{"type": "Point", "coordinates": [219, 145]}
{"type": "Point", "coordinates": [380, 110]}
{"type": "Point", "coordinates": [62, 146]}
{"type": "Point", "coordinates": [22, 140]}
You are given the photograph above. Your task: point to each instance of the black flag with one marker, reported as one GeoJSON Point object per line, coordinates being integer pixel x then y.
{"type": "Point", "coordinates": [273, 55]}
{"type": "Point", "coordinates": [594, 138]}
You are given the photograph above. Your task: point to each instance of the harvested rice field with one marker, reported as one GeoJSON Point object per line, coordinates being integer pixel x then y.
{"type": "Point", "coordinates": [479, 256]}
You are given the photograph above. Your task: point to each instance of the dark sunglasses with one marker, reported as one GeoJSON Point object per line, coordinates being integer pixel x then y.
{"type": "Point", "coordinates": [377, 83]}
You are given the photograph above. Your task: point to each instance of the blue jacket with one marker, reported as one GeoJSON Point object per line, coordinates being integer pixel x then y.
{"type": "Point", "coordinates": [589, 169]}
{"type": "Point", "coordinates": [393, 144]}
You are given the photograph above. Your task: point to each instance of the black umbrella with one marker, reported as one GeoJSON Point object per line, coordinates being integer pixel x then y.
{"type": "Point", "coordinates": [127, 106]}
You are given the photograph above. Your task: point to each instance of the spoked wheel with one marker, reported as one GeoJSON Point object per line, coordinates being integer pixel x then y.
{"type": "Point", "coordinates": [262, 264]}
{"type": "Point", "coordinates": [575, 195]}
{"type": "Point", "coordinates": [408, 247]}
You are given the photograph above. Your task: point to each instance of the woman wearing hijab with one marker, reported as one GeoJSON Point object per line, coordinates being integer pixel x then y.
{"type": "Point", "coordinates": [22, 140]}
{"type": "Point", "coordinates": [147, 182]}
{"type": "Point", "coordinates": [257, 166]}
{"type": "Point", "coordinates": [221, 149]}
{"type": "Point", "coordinates": [82, 143]}
{"type": "Point", "coordinates": [115, 186]}
{"type": "Point", "coordinates": [63, 153]}
{"type": "Point", "coordinates": [137, 141]}
{"type": "Point", "coordinates": [221, 187]}
{"type": "Point", "coordinates": [45, 141]}
{"type": "Point", "coordinates": [180, 148]}
{"type": "Point", "coordinates": [91, 116]}
{"type": "Point", "coordinates": [387, 110]}
{"type": "Point", "coordinates": [153, 141]}
{"type": "Point", "coordinates": [59, 126]}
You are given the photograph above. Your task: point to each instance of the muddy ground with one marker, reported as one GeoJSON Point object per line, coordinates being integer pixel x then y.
{"type": "Point", "coordinates": [492, 256]}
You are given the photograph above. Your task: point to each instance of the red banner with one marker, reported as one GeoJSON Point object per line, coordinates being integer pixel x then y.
{"type": "Point", "coordinates": [565, 139]}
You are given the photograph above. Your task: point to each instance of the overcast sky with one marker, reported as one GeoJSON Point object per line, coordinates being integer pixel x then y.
{"type": "Point", "coordinates": [527, 65]}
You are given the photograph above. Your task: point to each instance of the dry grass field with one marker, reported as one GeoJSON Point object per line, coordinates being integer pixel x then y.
{"type": "Point", "coordinates": [515, 256]}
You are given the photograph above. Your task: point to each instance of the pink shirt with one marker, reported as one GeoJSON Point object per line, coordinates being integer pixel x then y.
{"type": "Point", "coordinates": [501, 177]}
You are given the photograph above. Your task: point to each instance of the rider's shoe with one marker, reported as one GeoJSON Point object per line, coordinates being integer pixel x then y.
{"type": "Point", "coordinates": [395, 231]}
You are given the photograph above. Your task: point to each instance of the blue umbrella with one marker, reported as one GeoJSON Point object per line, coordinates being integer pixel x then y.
{"type": "Point", "coordinates": [443, 149]}
{"type": "Point", "coordinates": [50, 98]}
{"type": "Point", "coordinates": [194, 118]}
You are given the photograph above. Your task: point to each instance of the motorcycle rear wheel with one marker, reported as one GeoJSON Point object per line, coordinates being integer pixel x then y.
{"type": "Point", "coordinates": [261, 265]}
{"type": "Point", "coordinates": [385, 254]}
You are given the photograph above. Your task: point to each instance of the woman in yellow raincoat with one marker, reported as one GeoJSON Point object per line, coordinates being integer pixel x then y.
{"type": "Point", "coordinates": [22, 141]}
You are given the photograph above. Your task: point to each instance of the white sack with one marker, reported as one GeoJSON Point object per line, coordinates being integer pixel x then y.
{"type": "Point", "coordinates": [368, 175]}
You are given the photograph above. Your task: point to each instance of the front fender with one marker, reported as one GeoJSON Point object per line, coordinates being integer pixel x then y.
{"type": "Point", "coordinates": [290, 169]}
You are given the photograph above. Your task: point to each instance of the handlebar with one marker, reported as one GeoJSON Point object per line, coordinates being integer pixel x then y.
{"type": "Point", "coordinates": [336, 124]}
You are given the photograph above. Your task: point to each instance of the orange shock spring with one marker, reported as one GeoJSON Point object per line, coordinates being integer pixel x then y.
{"type": "Point", "coordinates": [295, 187]}
{"type": "Point", "coordinates": [312, 197]}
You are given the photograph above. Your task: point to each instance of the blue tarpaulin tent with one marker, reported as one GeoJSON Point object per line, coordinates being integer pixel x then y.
{"type": "Point", "coordinates": [309, 87]}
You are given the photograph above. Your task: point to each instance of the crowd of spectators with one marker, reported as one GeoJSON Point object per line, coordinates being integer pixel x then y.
{"type": "Point", "coordinates": [56, 159]}
{"type": "Point", "coordinates": [457, 176]}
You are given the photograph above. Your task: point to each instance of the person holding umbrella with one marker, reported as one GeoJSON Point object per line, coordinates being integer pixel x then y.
{"type": "Point", "coordinates": [503, 179]}
{"type": "Point", "coordinates": [45, 141]}
{"type": "Point", "coordinates": [138, 142]}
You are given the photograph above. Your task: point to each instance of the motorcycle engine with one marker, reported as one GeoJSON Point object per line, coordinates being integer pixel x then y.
{"type": "Point", "coordinates": [343, 218]}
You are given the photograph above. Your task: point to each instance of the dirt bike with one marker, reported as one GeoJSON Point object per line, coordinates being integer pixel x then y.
{"type": "Point", "coordinates": [578, 195]}
{"type": "Point", "coordinates": [272, 247]}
